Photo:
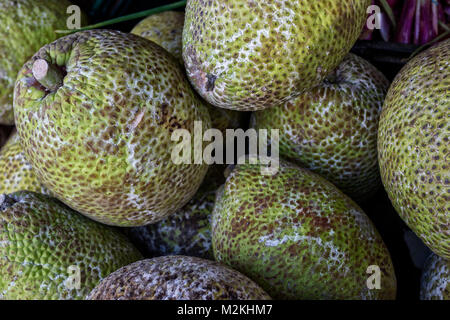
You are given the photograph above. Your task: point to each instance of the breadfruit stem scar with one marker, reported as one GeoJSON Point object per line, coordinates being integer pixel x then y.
{"type": "Point", "coordinates": [48, 75]}
{"type": "Point", "coordinates": [6, 202]}
{"type": "Point", "coordinates": [211, 82]}
{"type": "Point", "coordinates": [332, 77]}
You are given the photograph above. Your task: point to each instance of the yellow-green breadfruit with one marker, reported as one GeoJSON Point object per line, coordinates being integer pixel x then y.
{"type": "Point", "coordinates": [298, 236]}
{"type": "Point", "coordinates": [332, 129]}
{"type": "Point", "coordinates": [177, 278]}
{"type": "Point", "coordinates": [95, 112]}
{"type": "Point", "coordinates": [251, 55]}
{"type": "Point", "coordinates": [25, 26]}
{"type": "Point", "coordinates": [51, 252]}
{"type": "Point", "coordinates": [413, 146]}
{"type": "Point", "coordinates": [16, 173]}
{"type": "Point", "coordinates": [165, 29]}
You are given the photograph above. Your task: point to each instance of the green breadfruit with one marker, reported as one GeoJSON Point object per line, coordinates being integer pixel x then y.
{"type": "Point", "coordinates": [413, 146]}
{"type": "Point", "coordinates": [16, 173]}
{"type": "Point", "coordinates": [298, 236]}
{"type": "Point", "coordinates": [332, 129]}
{"type": "Point", "coordinates": [26, 25]}
{"type": "Point", "coordinates": [44, 243]}
{"type": "Point", "coordinates": [252, 55]}
{"type": "Point", "coordinates": [97, 127]}
{"type": "Point", "coordinates": [165, 29]}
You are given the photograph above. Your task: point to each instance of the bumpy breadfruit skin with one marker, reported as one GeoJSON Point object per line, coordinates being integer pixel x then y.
{"type": "Point", "coordinates": [332, 129]}
{"type": "Point", "coordinates": [165, 29]}
{"type": "Point", "coordinates": [16, 173]}
{"type": "Point", "coordinates": [435, 282]}
{"type": "Point", "coordinates": [251, 55]}
{"type": "Point", "coordinates": [413, 146]}
{"type": "Point", "coordinates": [298, 236]}
{"type": "Point", "coordinates": [41, 239]}
{"type": "Point", "coordinates": [177, 278]}
{"type": "Point", "coordinates": [26, 25]}
{"type": "Point", "coordinates": [102, 142]}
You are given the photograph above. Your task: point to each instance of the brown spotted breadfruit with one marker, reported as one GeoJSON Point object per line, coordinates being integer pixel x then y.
{"type": "Point", "coordinates": [413, 146]}
{"type": "Point", "coordinates": [298, 236]}
{"type": "Point", "coordinates": [252, 55]}
{"type": "Point", "coordinates": [95, 111]}
{"type": "Point", "coordinates": [48, 251]}
{"type": "Point", "coordinates": [435, 282]}
{"type": "Point", "coordinates": [177, 278]}
{"type": "Point", "coordinates": [332, 129]}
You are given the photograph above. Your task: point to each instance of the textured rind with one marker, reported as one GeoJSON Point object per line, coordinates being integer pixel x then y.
{"type": "Point", "coordinates": [332, 129]}
{"type": "Point", "coordinates": [186, 232]}
{"type": "Point", "coordinates": [435, 282]}
{"type": "Point", "coordinates": [16, 173]}
{"type": "Point", "coordinates": [251, 55]}
{"type": "Point", "coordinates": [413, 146]}
{"type": "Point", "coordinates": [102, 142]}
{"type": "Point", "coordinates": [40, 239]}
{"type": "Point", "coordinates": [298, 236]}
{"type": "Point", "coordinates": [26, 25]}
{"type": "Point", "coordinates": [177, 278]}
{"type": "Point", "coordinates": [165, 29]}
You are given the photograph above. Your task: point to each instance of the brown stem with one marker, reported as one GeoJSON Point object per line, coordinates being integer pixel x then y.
{"type": "Point", "coordinates": [49, 75]}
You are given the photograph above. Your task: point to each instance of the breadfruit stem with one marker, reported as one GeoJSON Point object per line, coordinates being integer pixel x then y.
{"type": "Point", "coordinates": [49, 75]}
